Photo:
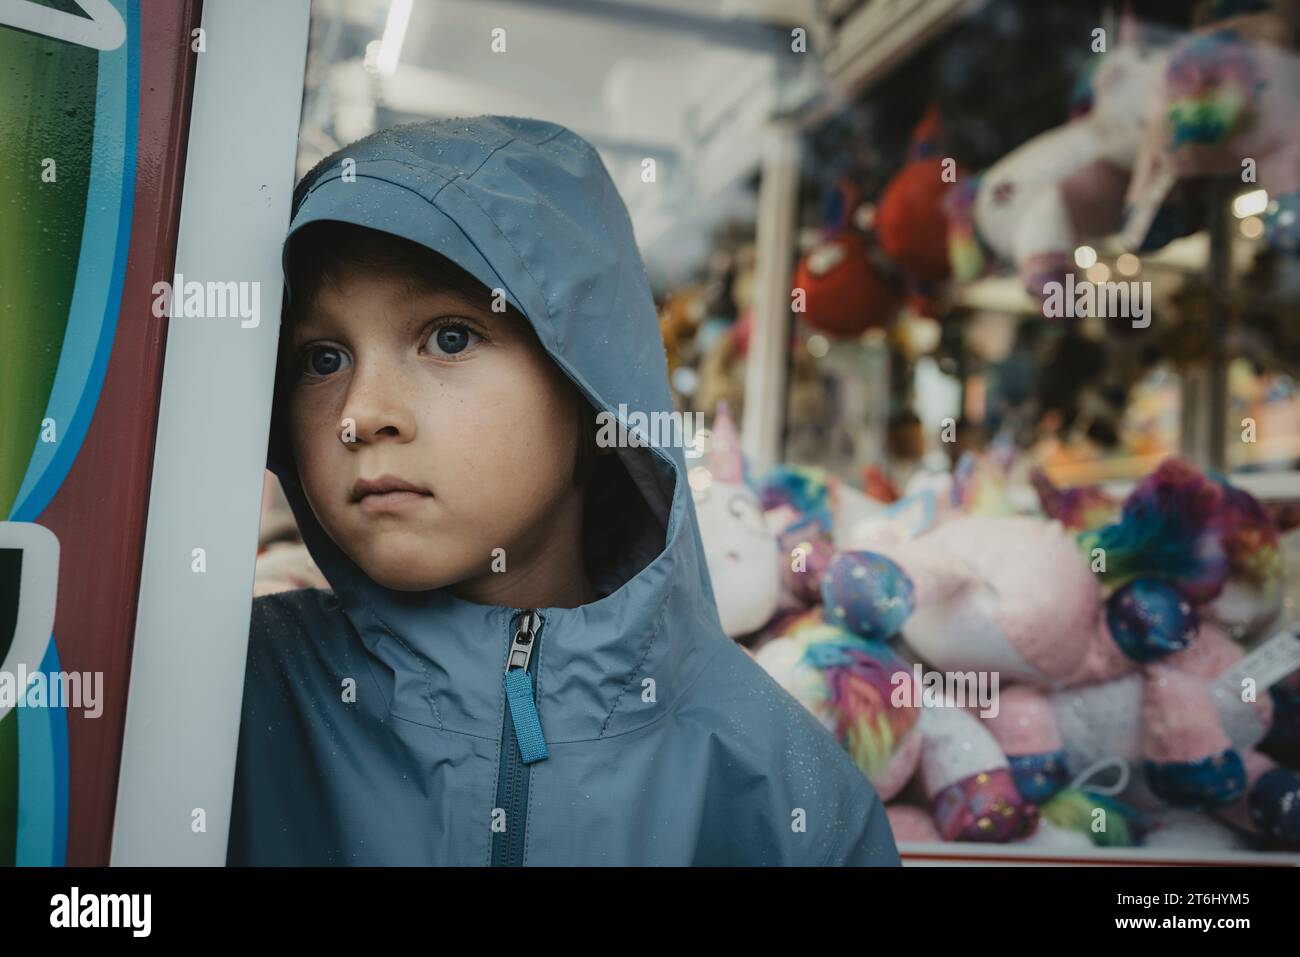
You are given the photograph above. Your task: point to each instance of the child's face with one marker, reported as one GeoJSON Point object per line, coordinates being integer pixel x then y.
{"type": "Point", "coordinates": [448, 396]}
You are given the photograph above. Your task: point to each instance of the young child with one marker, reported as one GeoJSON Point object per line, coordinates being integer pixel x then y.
{"type": "Point", "coordinates": [520, 660]}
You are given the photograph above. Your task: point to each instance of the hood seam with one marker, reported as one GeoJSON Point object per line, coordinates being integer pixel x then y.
{"type": "Point", "coordinates": [410, 163]}
{"type": "Point", "coordinates": [676, 704]}
{"type": "Point", "coordinates": [432, 200]}
{"type": "Point", "coordinates": [649, 646]}
{"type": "Point", "coordinates": [415, 165]}
{"type": "Point", "coordinates": [523, 264]}
{"type": "Point", "coordinates": [428, 678]}
{"type": "Point", "coordinates": [336, 175]}
{"type": "Point", "coordinates": [491, 153]}
{"type": "Point", "coordinates": [514, 138]}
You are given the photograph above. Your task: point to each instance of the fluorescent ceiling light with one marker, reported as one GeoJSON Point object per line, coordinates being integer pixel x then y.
{"type": "Point", "coordinates": [390, 47]}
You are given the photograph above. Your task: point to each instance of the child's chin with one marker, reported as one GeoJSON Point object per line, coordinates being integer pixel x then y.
{"type": "Point", "coordinates": [407, 584]}
{"type": "Point", "coordinates": [410, 577]}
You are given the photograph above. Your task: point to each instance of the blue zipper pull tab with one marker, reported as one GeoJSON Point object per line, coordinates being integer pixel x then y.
{"type": "Point", "coordinates": [519, 690]}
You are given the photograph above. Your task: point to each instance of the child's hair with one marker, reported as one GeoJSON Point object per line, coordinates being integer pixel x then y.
{"type": "Point", "coordinates": [321, 252]}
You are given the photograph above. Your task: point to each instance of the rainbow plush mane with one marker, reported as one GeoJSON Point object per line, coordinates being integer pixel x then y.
{"type": "Point", "coordinates": [803, 488]}
{"type": "Point", "coordinates": [1212, 82]}
{"type": "Point", "coordinates": [852, 679]}
{"type": "Point", "coordinates": [1251, 539]}
{"type": "Point", "coordinates": [1079, 508]}
{"type": "Point", "coordinates": [1171, 527]}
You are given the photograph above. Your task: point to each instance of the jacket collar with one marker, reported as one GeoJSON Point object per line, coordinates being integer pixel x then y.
{"type": "Point", "coordinates": [602, 669]}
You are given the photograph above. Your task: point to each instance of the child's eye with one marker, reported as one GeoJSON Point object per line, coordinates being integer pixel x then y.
{"type": "Point", "coordinates": [453, 338]}
{"type": "Point", "coordinates": [332, 362]}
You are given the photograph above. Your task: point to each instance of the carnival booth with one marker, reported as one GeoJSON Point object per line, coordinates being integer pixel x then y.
{"type": "Point", "coordinates": [989, 315]}
{"type": "Point", "coordinates": [1000, 338]}
{"type": "Point", "coordinates": [94, 110]}
{"type": "Point", "coordinates": [131, 476]}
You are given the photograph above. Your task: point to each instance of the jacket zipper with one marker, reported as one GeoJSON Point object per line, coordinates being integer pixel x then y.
{"type": "Point", "coordinates": [522, 742]}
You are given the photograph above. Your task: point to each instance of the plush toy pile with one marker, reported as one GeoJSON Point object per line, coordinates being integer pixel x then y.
{"type": "Point", "coordinates": [1069, 679]}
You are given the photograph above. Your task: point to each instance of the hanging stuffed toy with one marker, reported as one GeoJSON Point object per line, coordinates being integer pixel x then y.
{"type": "Point", "coordinates": [1226, 104]}
{"type": "Point", "coordinates": [1035, 206]}
{"type": "Point", "coordinates": [910, 217]}
{"type": "Point", "coordinates": [843, 279]}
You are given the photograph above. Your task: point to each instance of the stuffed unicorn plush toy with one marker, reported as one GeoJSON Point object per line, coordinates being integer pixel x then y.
{"type": "Point", "coordinates": [1133, 676]}
{"type": "Point", "coordinates": [868, 697]}
{"type": "Point", "coordinates": [740, 551]}
{"type": "Point", "coordinates": [1034, 206]}
{"type": "Point", "coordinates": [1250, 599]}
{"type": "Point", "coordinates": [1226, 104]}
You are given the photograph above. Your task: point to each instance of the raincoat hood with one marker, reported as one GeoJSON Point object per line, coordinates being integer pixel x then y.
{"type": "Point", "coordinates": [528, 208]}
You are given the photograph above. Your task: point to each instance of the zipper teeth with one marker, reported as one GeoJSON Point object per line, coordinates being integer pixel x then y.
{"type": "Point", "coordinates": [506, 767]}
{"type": "Point", "coordinates": [523, 772]}
{"type": "Point", "coordinates": [514, 771]}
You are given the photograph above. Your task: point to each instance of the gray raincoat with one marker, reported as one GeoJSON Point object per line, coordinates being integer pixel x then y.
{"type": "Point", "coordinates": [637, 732]}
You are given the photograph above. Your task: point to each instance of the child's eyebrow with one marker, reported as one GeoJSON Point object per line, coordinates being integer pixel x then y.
{"type": "Point", "coordinates": [304, 325]}
{"type": "Point", "coordinates": [452, 299]}
{"type": "Point", "coordinates": [423, 305]}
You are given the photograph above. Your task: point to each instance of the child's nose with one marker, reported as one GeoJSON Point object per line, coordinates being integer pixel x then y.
{"type": "Point", "coordinates": [375, 406]}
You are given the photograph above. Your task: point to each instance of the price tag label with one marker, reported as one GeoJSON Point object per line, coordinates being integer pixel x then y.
{"type": "Point", "coordinates": [1268, 664]}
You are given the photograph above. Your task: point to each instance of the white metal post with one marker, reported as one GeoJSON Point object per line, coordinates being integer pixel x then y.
{"type": "Point", "coordinates": [769, 340]}
{"type": "Point", "coordinates": [191, 637]}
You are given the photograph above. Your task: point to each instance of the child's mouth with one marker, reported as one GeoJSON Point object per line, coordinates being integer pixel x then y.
{"type": "Point", "coordinates": [387, 493]}
{"type": "Point", "coordinates": [391, 501]}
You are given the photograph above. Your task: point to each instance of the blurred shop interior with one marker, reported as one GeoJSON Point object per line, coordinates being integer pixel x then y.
{"type": "Point", "coordinates": [857, 210]}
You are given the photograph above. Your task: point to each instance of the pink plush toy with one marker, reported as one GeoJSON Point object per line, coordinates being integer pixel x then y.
{"type": "Point", "coordinates": [1131, 676]}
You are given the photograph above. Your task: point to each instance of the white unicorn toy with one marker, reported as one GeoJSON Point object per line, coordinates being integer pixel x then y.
{"type": "Point", "coordinates": [1035, 205]}
{"type": "Point", "coordinates": [739, 548]}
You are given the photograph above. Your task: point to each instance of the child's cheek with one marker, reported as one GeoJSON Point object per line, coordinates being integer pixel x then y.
{"type": "Point", "coordinates": [326, 467]}
{"type": "Point", "coordinates": [315, 434]}
{"type": "Point", "coordinates": [495, 428]}
{"type": "Point", "coordinates": [508, 434]}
